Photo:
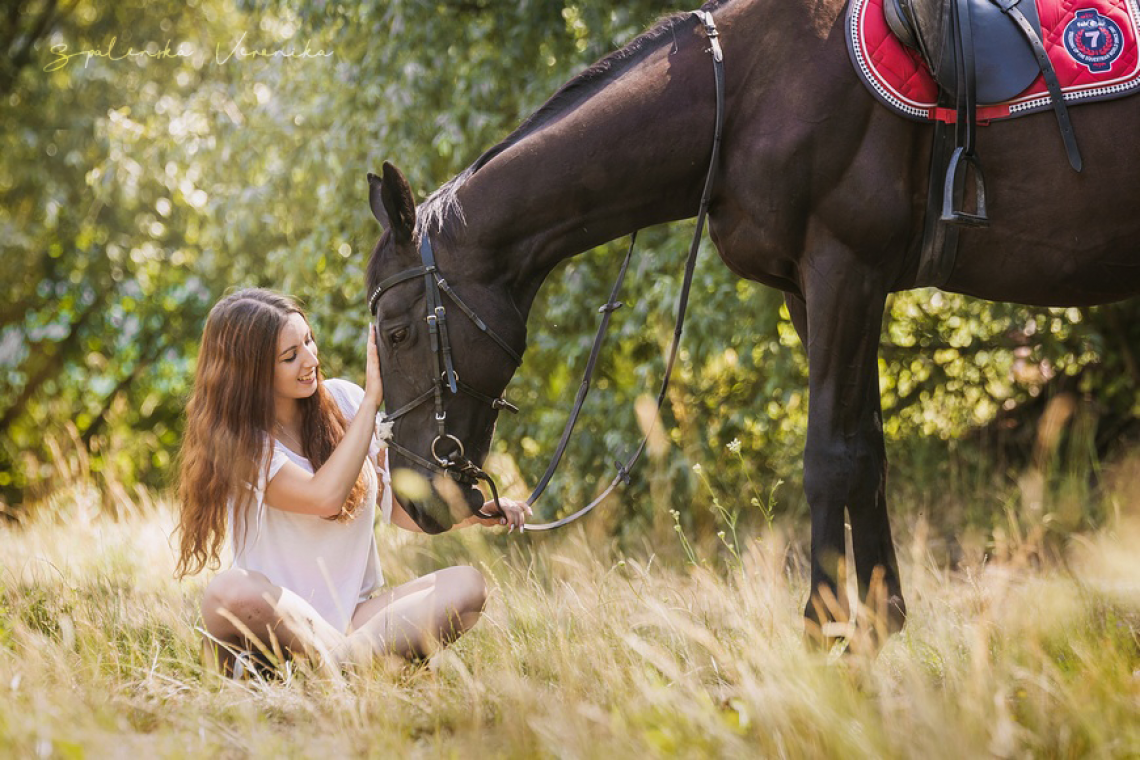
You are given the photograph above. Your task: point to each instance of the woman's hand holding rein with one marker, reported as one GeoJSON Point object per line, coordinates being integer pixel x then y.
{"type": "Point", "coordinates": [513, 513]}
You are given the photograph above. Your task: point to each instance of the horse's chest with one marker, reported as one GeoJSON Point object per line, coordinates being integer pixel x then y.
{"type": "Point", "coordinates": [753, 252]}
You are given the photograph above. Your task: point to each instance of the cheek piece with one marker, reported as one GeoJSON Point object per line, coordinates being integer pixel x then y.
{"type": "Point", "coordinates": [454, 464]}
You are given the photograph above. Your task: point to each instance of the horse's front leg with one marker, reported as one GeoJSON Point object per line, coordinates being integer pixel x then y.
{"type": "Point", "coordinates": [839, 320]}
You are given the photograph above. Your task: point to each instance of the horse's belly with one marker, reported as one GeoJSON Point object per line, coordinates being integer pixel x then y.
{"type": "Point", "coordinates": [1048, 275]}
{"type": "Point", "coordinates": [1058, 237]}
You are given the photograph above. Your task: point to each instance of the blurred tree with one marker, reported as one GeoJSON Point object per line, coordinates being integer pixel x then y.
{"type": "Point", "coordinates": [26, 24]}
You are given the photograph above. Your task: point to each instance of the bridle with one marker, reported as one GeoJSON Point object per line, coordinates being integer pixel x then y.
{"type": "Point", "coordinates": [456, 465]}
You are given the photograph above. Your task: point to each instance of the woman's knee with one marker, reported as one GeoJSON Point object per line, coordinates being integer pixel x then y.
{"type": "Point", "coordinates": [469, 585]}
{"type": "Point", "coordinates": [236, 591]}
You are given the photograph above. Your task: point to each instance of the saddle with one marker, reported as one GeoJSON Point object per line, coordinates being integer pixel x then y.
{"type": "Point", "coordinates": [980, 52]}
{"type": "Point", "coordinates": [1004, 61]}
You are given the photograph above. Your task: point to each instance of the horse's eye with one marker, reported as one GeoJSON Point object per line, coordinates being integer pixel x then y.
{"type": "Point", "coordinates": [398, 336]}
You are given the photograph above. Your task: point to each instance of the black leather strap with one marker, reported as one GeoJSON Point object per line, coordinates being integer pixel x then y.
{"type": "Point", "coordinates": [411, 404]}
{"type": "Point", "coordinates": [606, 311]}
{"type": "Point", "coordinates": [395, 279]}
{"type": "Point", "coordinates": [963, 32]}
{"type": "Point", "coordinates": [479, 323]}
{"type": "Point", "coordinates": [939, 240]}
{"type": "Point", "coordinates": [706, 19]}
{"type": "Point", "coordinates": [441, 339]}
{"type": "Point", "coordinates": [457, 475]}
{"type": "Point", "coordinates": [1068, 136]}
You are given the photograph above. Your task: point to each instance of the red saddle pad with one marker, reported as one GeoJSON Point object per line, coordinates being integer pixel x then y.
{"type": "Point", "coordinates": [1092, 44]}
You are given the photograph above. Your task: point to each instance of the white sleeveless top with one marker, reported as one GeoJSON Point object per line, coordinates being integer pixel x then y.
{"type": "Point", "coordinates": [333, 566]}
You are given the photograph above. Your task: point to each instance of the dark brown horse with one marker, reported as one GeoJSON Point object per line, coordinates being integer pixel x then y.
{"type": "Point", "coordinates": [820, 193]}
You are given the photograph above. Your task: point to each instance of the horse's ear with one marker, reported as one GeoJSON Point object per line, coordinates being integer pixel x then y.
{"type": "Point", "coordinates": [374, 201]}
{"type": "Point", "coordinates": [392, 203]}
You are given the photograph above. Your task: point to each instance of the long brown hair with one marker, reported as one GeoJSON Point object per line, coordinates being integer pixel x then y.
{"type": "Point", "coordinates": [229, 418]}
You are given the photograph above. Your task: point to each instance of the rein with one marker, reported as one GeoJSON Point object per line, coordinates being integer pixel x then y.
{"type": "Point", "coordinates": [456, 465]}
{"type": "Point", "coordinates": [625, 468]}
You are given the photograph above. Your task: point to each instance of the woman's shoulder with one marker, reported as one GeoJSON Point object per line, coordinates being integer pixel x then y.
{"type": "Point", "coordinates": [347, 394]}
{"type": "Point", "coordinates": [341, 385]}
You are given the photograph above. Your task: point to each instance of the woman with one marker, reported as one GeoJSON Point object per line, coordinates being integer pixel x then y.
{"type": "Point", "coordinates": [287, 464]}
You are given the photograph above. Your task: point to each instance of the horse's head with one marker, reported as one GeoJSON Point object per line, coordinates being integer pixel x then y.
{"type": "Point", "coordinates": [450, 338]}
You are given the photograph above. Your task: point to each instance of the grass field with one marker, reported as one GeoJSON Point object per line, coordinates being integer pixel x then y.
{"type": "Point", "coordinates": [584, 652]}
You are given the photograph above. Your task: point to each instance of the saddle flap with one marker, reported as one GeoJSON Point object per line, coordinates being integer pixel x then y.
{"type": "Point", "coordinates": [900, 23]}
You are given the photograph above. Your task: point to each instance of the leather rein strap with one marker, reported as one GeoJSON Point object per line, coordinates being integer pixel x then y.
{"type": "Point", "coordinates": [625, 468]}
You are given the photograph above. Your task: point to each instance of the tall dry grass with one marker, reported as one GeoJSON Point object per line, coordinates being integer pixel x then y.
{"type": "Point", "coordinates": [583, 652]}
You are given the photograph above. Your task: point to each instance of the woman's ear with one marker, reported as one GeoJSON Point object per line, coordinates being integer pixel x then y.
{"type": "Point", "coordinates": [392, 203]}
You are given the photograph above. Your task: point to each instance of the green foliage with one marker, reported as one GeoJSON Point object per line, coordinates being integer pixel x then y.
{"type": "Point", "coordinates": [135, 190]}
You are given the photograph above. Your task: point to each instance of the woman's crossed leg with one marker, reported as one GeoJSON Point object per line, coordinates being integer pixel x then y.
{"type": "Point", "coordinates": [243, 609]}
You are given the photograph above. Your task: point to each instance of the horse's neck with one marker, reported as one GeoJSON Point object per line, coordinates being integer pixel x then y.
{"type": "Point", "coordinates": [634, 152]}
{"type": "Point", "coordinates": [631, 155]}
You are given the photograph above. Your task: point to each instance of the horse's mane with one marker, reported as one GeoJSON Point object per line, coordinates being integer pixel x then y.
{"type": "Point", "coordinates": [444, 203]}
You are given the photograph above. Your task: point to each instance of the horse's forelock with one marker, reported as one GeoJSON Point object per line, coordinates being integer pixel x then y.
{"type": "Point", "coordinates": [442, 206]}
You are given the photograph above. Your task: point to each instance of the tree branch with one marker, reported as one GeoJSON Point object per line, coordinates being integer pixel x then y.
{"type": "Point", "coordinates": [49, 367]}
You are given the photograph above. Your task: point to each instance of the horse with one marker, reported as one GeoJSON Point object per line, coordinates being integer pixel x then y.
{"type": "Point", "coordinates": [820, 192]}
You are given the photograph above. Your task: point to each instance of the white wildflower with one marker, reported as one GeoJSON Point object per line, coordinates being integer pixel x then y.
{"type": "Point", "coordinates": [734, 445]}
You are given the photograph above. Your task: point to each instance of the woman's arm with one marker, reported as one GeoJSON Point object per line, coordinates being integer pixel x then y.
{"type": "Point", "coordinates": [401, 519]}
{"type": "Point", "coordinates": [323, 493]}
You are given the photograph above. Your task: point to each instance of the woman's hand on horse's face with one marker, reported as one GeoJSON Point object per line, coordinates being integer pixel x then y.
{"type": "Point", "coordinates": [513, 513]}
{"type": "Point", "coordinates": [373, 385]}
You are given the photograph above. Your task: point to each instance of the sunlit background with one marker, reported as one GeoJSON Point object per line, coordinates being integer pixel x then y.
{"type": "Point", "coordinates": [149, 162]}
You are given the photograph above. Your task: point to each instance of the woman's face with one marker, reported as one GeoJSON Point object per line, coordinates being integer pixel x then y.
{"type": "Point", "coordinates": [295, 373]}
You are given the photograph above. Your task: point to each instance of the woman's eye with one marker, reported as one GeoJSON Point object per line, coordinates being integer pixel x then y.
{"type": "Point", "coordinates": [398, 336]}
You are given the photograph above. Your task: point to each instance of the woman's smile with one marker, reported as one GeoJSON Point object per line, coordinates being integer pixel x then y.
{"type": "Point", "coordinates": [297, 360]}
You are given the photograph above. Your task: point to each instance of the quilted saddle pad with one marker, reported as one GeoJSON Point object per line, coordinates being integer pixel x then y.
{"type": "Point", "coordinates": [1091, 43]}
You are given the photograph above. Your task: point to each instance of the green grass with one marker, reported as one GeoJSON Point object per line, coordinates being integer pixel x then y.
{"type": "Point", "coordinates": [585, 653]}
